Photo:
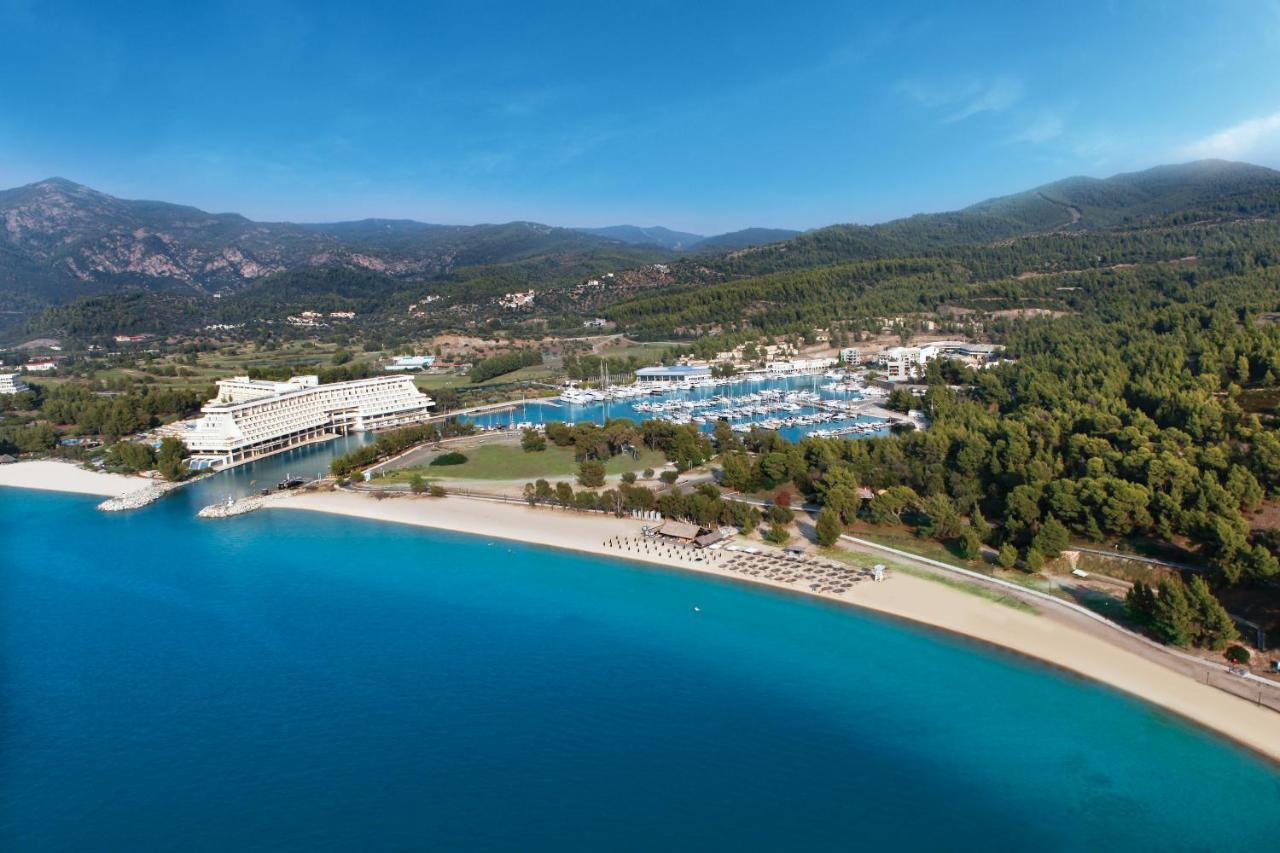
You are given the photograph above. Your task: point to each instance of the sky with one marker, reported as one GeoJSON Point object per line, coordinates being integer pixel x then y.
{"type": "Point", "coordinates": [702, 116]}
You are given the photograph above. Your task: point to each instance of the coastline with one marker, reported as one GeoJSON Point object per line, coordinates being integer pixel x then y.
{"type": "Point", "coordinates": [903, 596]}
{"type": "Point", "coordinates": [55, 475]}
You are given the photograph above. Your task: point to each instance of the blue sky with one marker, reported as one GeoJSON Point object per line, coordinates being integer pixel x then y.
{"type": "Point", "coordinates": [704, 116]}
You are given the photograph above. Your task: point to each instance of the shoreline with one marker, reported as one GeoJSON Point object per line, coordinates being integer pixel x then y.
{"type": "Point", "coordinates": [57, 475]}
{"type": "Point", "coordinates": [913, 599]}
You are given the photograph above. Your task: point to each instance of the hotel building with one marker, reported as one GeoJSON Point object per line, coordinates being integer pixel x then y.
{"type": "Point", "coordinates": [11, 383]}
{"type": "Point", "coordinates": [251, 417]}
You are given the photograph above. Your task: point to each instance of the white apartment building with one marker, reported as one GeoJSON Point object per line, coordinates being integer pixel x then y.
{"type": "Point", "coordinates": [11, 383]}
{"type": "Point", "coordinates": [252, 417]}
{"type": "Point", "coordinates": [902, 363]}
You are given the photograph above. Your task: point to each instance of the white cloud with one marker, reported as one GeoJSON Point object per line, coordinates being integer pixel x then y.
{"type": "Point", "coordinates": [1046, 127]}
{"type": "Point", "coordinates": [1254, 139]}
{"type": "Point", "coordinates": [966, 98]}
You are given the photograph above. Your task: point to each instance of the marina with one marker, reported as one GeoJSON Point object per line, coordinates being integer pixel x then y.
{"type": "Point", "coordinates": [825, 405]}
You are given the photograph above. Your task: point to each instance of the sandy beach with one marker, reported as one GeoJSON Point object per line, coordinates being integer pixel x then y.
{"type": "Point", "coordinates": [902, 596]}
{"type": "Point", "coordinates": [57, 476]}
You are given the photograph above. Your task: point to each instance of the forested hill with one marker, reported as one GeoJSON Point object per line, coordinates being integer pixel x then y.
{"type": "Point", "coordinates": [1212, 190]}
{"type": "Point", "coordinates": [62, 240]}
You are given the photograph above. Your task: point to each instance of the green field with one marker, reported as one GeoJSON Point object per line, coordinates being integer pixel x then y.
{"type": "Point", "coordinates": [647, 351]}
{"type": "Point", "coordinates": [509, 462]}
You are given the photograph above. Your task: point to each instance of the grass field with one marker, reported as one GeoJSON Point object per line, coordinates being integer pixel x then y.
{"type": "Point", "coordinates": [646, 351]}
{"type": "Point", "coordinates": [509, 462]}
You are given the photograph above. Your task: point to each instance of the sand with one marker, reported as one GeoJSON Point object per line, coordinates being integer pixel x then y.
{"type": "Point", "coordinates": [57, 476]}
{"type": "Point", "coordinates": [902, 595]}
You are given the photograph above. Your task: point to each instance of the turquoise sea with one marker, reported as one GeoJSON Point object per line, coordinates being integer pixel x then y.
{"type": "Point", "coordinates": [291, 681]}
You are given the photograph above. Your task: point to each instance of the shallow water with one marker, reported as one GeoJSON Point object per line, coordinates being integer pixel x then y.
{"type": "Point", "coordinates": [295, 681]}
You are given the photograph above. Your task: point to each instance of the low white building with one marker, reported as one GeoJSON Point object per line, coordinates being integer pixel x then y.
{"type": "Point", "coordinates": [252, 417]}
{"type": "Point", "coordinates": [40, 366]}
{"type": "Point", "coordinates": [799, 365]}
{"type": "Point", "coordinates": [411, 362]}
{"type": "Point", "coordinates": [11, 383]}
{"type": "Point", "coordinates": [673, 373]}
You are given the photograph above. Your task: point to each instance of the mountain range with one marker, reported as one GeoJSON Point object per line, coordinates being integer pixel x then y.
{"type": "Point", "coordinates": [665, 238]}
{"type": "Point", "coordinates": [62, 240]}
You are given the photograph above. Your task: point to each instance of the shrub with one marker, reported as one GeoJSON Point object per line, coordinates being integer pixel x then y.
{"type": "Point", "coordinates": [629, 477]}
{"type": "Point", "coordinates": [533, 441]}
{"type": "Point", "coordinates": [669, 477]}
{"type": "Point", "coordinates": [780, 514]}
{"type": "Point", "coordinates": [417, 485]}
{"type": "Point", "coordinates": [648, 473]}
{"type": "Point", "coordinates": [777, 534]}
{"type": "Point", "coordinates": [437, 491]}
{"type": "Point", "coordinates": [1238, 654]}
{"type": "Point", "coordinates": [591, 473]}
{"type": "Point", "coordinates": [451, 458]}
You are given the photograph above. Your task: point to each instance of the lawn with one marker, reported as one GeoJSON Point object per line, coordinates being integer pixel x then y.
{"type": "Point", "coordinates": [509, 462]}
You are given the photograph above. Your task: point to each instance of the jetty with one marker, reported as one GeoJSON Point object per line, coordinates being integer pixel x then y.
{"type": "Point", "coordinates": [232, 507]}
{"type": "Point", "coordinates": [138, 498]}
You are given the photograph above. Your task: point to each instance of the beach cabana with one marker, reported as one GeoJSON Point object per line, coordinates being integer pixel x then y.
{"type": "Point", "coordinates": [706, 540]}
{"type": "Point", "coordinates": [681, 530]}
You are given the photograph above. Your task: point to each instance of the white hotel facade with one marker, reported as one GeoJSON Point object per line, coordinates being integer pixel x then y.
{"type": "Point", "coordinates": [253, 417]}
{"type": "Point", "coordinates": [11, 383]}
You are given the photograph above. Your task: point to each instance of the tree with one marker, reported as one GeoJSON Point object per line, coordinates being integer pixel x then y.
{"type": "Point", "coordinates": [169, 459]}
{"type": "Point", "coordinates": [829, 526]}
{"type": "Point", "coordinates": [591, 473]}
{"type": "Point", "coordinates": [1033, 559]}
{"type": "Point", "coordinates": [542, 490]}
{"type": "Point", "coordinates": [944, 521]}
{"type": "Point", "coordinates": [970, 544]}
{"type": "Point", "coordinates": [532, 441]}
{"type": "Point", "coordinates": [900, 400]}
{"type": "Point", "coordinates": [844, 501]}
{"type": "Point", "coordinates": [1215, 626]}
{"type": "Point", "coordinates": [777, 534]}
{"type": "Point", "coordinates": [979, 524]}
{"type": "Point", "coordinates": [1008, 556]}
{"type": "Point", "coordinates": [891, 503]}
{"type": "Point", "coordinates": [1140, 603]}
{"type": "Point", "coordinates": [418, 485]}
{"type": "Point", "coordinates": [1052, 538]}
{"type": "Point", "coordinates": [1173, 621]}
{"type": "Point", "coordinates": [564, 494]}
